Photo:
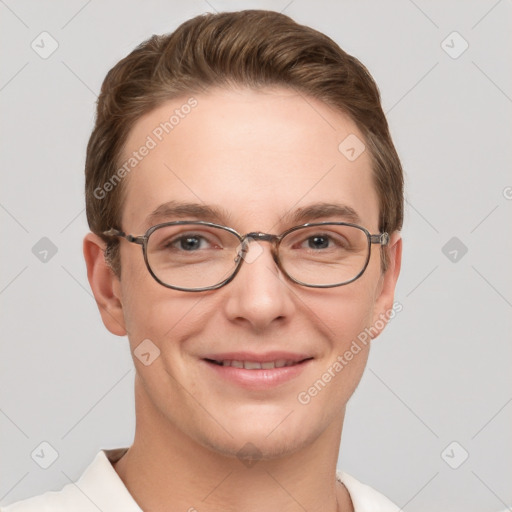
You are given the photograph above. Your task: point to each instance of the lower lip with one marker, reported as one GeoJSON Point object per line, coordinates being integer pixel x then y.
{"type": "Point", "coordinates": [258, 379]}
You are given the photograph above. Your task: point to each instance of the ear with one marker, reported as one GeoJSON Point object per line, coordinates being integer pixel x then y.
{"type": "Point", "coordinates": [105, 285]}
{"type": "Point", "coordinates": [384, 304]}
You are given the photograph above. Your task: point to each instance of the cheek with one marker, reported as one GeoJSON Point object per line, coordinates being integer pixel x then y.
{"type": "Point", "coordinates": [344, 312]}
{"type": "Point", "coordinates": [160, 314]}
{"type": "Point", "coordinates": [145, 302]}
{"type": "Point", "coordinates": [347, 319]}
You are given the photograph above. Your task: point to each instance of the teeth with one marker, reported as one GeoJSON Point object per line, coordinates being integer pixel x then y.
{"type": "Point", "coordinates": [255, 365]}
{"type": "Point", "coordinates": [252, 365]}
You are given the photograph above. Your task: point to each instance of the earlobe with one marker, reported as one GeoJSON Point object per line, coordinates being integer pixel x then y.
{"type": "Point", "coordinates": [104, 285]}
{"type": "Point", "coordinates": [384, 303]}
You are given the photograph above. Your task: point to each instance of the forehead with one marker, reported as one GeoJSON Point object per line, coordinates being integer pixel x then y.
{"type": "Point", "coordinates": [252, 156]}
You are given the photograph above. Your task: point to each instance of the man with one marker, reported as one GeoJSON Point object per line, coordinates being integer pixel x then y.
{"type": "Point", "coordinates": [245, 201]}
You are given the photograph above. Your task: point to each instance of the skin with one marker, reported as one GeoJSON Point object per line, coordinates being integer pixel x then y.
{"type": "Point", "coordinates": [257, 155]}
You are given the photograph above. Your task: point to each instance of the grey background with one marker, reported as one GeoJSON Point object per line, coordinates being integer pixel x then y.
{"type": "Point", "coordinates": [440, 372]}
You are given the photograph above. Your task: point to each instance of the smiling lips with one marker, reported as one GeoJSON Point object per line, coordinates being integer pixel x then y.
{"type": "Point", "coordinates": [252, 361]}
{"type": "Point", "coordinates": [259, 371]}
{"type": "Point", "coordinates": [256, 365]}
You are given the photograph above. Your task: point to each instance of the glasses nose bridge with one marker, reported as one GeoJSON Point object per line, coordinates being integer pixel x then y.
{"type": "Point", "coordinates": [262, 237]}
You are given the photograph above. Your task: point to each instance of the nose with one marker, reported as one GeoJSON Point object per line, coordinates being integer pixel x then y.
{"type": "Point", "coordinates": [259, 296]}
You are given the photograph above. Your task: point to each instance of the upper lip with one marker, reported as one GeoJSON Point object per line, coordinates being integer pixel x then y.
{"type": "Point", "coordinates": [260, 358]}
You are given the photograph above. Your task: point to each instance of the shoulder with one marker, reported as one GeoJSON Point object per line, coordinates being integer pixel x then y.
{"type": "Point", "coordinates": [68, 498]}
{"type": "Point", "coordinates": [99, 488]}
{"type": "Point", "coordinates": [364, 497]}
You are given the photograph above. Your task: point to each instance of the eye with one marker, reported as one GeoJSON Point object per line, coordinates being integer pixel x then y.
{"type": "Point", "coordinates": [318, 242]}
{"type": "Point", "coordinates": [322, 241]}
{"type": "Point", "coordinates": [188, 243]}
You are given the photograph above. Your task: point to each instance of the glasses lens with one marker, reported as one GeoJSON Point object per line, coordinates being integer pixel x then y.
{"type": "Point", "coordinates": [329, 254]}
{"type": "Point", "coordinates": [192, 256]}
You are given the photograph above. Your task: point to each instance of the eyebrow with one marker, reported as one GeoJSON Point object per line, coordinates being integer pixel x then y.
{"type": "Point", "coordinates": [180, 210]}
{"type": "Point", "coordinates": [176, 210]}
{"type": "Point", "coordinates": [319, 211]}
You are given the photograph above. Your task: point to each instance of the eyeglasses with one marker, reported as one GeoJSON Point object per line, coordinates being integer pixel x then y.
{"type": "Point", "coordinates": [197, 256]}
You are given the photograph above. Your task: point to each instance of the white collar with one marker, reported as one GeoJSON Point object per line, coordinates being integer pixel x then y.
{"type": "Point", "coordinates": [102, 485]}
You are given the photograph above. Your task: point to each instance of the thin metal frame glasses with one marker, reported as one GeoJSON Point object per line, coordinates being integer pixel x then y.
{"type": "Point", "coordinates": [343, 249]}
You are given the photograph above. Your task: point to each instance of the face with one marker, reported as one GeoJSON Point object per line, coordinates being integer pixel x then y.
{"type": "Point", "coordinates": [256, 158]}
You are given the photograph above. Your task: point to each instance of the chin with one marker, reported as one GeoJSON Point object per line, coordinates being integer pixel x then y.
{"type": "Point", "coordinates": [261, 442]}
{"type": "Point", "coordinates": [249, 451]}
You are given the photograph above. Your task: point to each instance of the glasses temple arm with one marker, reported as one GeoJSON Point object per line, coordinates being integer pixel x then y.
{"type": "Point", "coordinates": [381, 238]}
{"type": "Point", "coordinates": [122, 234]}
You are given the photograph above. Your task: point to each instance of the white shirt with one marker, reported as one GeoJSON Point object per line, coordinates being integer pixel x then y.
{"type": "Point", "coordinates": [100, 488]}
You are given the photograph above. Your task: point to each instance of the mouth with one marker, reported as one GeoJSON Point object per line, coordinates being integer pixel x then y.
{"type": "Point", "coordinates": [259, 372]}
{"type": "Point", "coordinates": [257, 365]}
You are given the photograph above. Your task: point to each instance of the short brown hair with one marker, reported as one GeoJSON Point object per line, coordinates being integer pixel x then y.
{"type": "Point", "coordinates": [252, 48]}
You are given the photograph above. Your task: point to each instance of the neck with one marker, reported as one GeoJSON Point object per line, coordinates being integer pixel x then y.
{"type": "Point", "coordinates": [165, 469]}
